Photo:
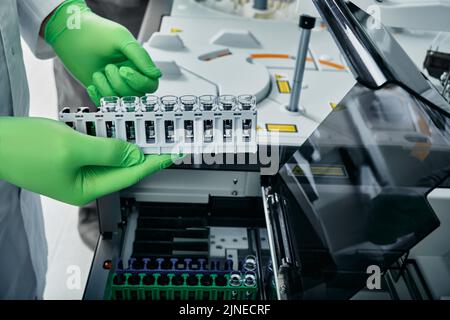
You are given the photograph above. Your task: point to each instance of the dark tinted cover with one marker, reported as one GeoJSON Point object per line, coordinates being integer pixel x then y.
{"type": "Point", "coordinates": [393, 59]}
{"type": "Point", "coordinates": [361, 181]}
{"type": "Point", "coordinates": [354, 195]}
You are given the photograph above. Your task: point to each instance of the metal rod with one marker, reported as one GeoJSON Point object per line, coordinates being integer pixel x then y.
{"type": "Point", "coordinates": [306, 24]}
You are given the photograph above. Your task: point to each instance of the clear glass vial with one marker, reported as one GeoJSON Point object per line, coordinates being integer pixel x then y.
{"type": "Point", "coordinates": [149, 103]}
{"type": "Point", "coordinates": [188, 102]}
{"type": "Point", "coordinates": [246, 102]}
{"type": "Point", "coordinates": [169, 103]}
{"type": "Point", "coordinates": [207, 102]}
{"type": "Point", "coordinates": [130, 103]}
{"type": "Point", "coordinates": [109, 104]}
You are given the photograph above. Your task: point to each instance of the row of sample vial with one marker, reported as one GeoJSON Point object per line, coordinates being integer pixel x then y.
{"type": "Point", "coordinates": [187, 265]}
{"type": "Point", "coordinates": [155, 286]}
{"type": "Point", "coordinates": [171, 124]}
{"type": "Point", "coordinates": [234, 279]}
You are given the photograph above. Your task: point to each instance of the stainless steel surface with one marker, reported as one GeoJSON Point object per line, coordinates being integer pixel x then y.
{"type": "Point", "coordinates": [107, 249]}
{"type": "Point", "coordinates": [445, 80]}
{"type": "Point", "coordinates": [224, 239]}
{"type": "Point", "coordinates": [109, 214]}
{"type": "Point", "coordinates": [303, 48]}
{"type": "Point", "coordinates": [266, 196]}
{"type": "Point", "coordinates": [128, 239]}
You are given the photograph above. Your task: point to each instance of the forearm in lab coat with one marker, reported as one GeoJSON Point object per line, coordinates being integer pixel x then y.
{"type": "Point", "coordinates": [31, 15]}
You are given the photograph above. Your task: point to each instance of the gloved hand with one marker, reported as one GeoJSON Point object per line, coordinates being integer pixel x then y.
{"type": "Point", "coordinates": [103, 55]}
{"type": "Point", "coordinates": [48, 157]}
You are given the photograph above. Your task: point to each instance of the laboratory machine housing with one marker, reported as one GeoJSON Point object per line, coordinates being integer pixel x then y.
{"type": "Point", "coordinates": [353, 196]}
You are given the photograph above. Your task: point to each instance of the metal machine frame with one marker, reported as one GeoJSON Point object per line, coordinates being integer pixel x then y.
{"type": "Point", "coordinates": [240, 183]}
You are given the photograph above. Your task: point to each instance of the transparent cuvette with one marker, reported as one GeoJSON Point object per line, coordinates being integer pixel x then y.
{"type": "Point", "coordinates": [227, 102]}
{"type": "Point", "coordinates": [169, 103]}
{"type": "Point", "coordinates": [130, 103]}
{"type": "Point", "coordinates": [109, 104]}
{"type": "Point", "coordinates": [149, 103]}
{"type": "Point", "coordinates": [246, 102]}
{"type": "Point", "coordinates": [188, 102]}
{"type": "Point", "coordinates": [207, 102]}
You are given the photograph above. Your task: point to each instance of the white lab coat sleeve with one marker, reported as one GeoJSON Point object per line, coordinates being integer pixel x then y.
{"type": "Point", "coordinates": [31, 15]}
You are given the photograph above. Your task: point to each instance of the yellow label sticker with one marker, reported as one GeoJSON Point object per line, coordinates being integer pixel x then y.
{"type": "Point", "coordinates": [175, 30]}
{"type": "Point", "coordinates": [258, 128]}
{"type": "Point", "coordinates": [297, 171]}
{"type": "Point", "coordinates": [323, 171]}
{"type": "Point", "coordinates": [283, 86]}
{"type": "Point", "coordinates": [287, 128]}
{"type": "Point", "coordinates": [333, 105]}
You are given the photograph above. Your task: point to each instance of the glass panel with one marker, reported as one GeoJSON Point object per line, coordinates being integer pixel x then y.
{"type": "Point", "coordinates": [356, 190]}
{"type": "Point", "coordinates": [395, 59]}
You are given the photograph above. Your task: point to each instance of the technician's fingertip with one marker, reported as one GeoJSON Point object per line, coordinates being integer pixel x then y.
{"type": "Point", "coordinates": [93, 94]}
{"type": "Point", "coordinates": [156, 73]}
{"type": "Point", "coordinates": [126, 72]}
{"type": "Point", "coordinates": [133, 156]}
{"type": "Point", "coordinates": [109, 68]}
{"type": "Point", "coordinates": [166, 163]}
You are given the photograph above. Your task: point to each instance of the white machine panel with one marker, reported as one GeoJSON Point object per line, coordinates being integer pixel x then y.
{"type": "Point", "coordinates": [232, 55]}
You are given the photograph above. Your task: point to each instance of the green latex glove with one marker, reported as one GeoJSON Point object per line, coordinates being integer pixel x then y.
{"type": "Point", "coordinates": [103, 55]}
{"type": "Point", "coordinates": [48, 157]}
